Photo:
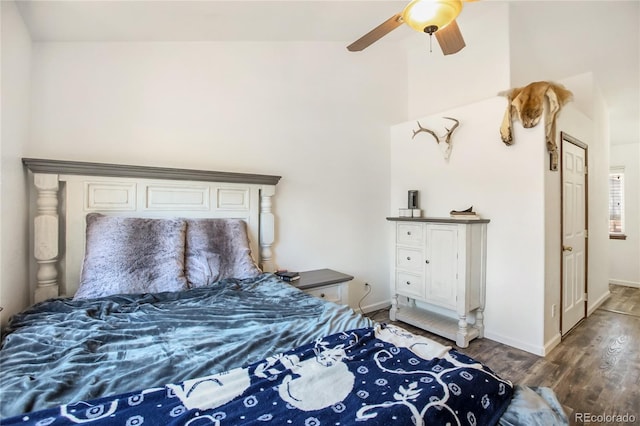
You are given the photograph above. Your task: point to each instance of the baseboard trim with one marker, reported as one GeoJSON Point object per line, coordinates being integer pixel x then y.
{"type": "Point", "coordinates": [374, 306]}
{"type": "Point", "coordinates": [536, 350]}
{"type": "Point", "coordinates": [555, 341]}
{"type": "Point", "coordinates": [591, 309]}
{"type": "Point", "coordinates": [625, 283]}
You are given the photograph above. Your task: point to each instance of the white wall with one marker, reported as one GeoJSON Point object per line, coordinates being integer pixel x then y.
{"type": "Point", "coordinates": [514, 188]}
{"type": "Point", "coordinates": [624, 266]}
{"type": "Point", "coordinates": [15, 88]}
{"type": "Point", "coordinates": [504, 184]}
{"type": "Point", "coordinates": [494, 61]}
{"type": "Point", "coordinates": [598, 274]}
{"type": "Point", "coordinates": [311, 112]}
{"type": "Point", "coordinates": [592, 130]}
{"type": "Point", "coordinates": [585, 118]}
{"type": "Point", "coordinates": [479, 71]}
{"type": "Point", "coordinates": [576, 124]}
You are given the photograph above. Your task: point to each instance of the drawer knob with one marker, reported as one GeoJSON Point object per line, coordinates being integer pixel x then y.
{"type": "Point", "coordinates": [408, 258]}
{"type": "Point", "coordinates": [322, 295]}
{"type": "Point", "coordinates": [408, 282]}
{"type": "Point", "coordinates": [426, 261]}
{"type": "Point", "coordinates": [408, 232]}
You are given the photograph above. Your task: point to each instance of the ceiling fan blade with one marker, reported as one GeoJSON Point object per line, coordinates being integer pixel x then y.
{"type": "Point", "coordinates": [376, 34]}
{"type": "Point", "coordinates": [450, 38]}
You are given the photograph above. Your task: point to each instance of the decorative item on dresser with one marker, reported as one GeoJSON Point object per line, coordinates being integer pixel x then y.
{"type": "Point", "coordinates": [440, 262]}
{"type": "Point", "coordinates": [326, 284]}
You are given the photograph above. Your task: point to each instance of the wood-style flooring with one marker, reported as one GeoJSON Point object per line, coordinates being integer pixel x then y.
{"type": "Point", "coordinates": [594, 371]}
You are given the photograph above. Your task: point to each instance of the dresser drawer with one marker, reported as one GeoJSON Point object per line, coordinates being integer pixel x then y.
{"type": "Point", "coordinates": [411, 285]}
{"type": "Point", "coordinates": [332, 293]}
{"type": "Point", "coordinates": [409, 234]}
{"type": "Point", "coordinates": [409, 258]}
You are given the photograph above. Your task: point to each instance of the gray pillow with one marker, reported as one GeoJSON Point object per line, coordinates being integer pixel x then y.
{"type": "Point", "coordinates": [132, 255]}
{"type": "Point", "coordinates": [217, 249]}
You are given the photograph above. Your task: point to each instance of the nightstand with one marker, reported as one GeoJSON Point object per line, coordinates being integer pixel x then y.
{"type": "Point", "coordinates": [326, 284]}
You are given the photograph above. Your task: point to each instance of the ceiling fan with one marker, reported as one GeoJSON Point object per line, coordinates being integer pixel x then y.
{"type": "Point", "coordinates": [429, 16]}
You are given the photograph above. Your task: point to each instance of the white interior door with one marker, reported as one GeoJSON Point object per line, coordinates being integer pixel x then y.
{"type": "Point", "coordinates": [574, 233]}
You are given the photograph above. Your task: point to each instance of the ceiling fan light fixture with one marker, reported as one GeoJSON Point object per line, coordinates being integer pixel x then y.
{"type": "Point", "coordinates": [424, 15]}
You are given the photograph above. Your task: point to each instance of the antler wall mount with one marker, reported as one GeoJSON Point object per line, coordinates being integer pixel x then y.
{"type": "Point", "coordinates": [444, 141]}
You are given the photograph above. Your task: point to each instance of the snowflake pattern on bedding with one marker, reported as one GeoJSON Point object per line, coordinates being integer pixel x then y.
{"type": "Point", "coordinates": [366, 376]}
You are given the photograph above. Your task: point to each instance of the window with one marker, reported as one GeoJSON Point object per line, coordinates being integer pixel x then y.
{"type": "Point", "coordinates": [616, 203]}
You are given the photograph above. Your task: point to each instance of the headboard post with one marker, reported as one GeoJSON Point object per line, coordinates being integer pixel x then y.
{"type": "Point", "coordinates": [267, 229]}
{"type": "Point", "coordinates": [45, 229]}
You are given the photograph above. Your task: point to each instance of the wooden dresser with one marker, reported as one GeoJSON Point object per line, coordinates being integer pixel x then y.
{"type": "Point", "coordinates": [440, 262]}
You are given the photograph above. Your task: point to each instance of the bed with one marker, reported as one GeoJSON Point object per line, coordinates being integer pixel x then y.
{"type": "Point", "coordinates": [155, 304]}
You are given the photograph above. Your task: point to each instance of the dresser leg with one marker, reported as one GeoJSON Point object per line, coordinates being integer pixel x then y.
{"type": "Point", "coordinates": [480, 322]}
{"type": "Point", "coordinates": [394, 308]}
{"type": "Point", "coordinates": [462, 337]}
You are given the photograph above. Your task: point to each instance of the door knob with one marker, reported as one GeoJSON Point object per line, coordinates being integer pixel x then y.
{"type": "Point", "coordinates": [567, 248]}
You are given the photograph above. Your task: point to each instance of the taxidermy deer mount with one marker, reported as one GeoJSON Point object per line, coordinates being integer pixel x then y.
{"type": "Point", "coordinates": [527, 104]}
{"type": "Point", "coordinates": [446, 138]}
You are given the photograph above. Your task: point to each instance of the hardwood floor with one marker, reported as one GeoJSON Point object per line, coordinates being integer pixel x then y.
{"type": "Point", "coordinates": [623, 300]}
{"type": "Point", "coordinates": [594, 371]}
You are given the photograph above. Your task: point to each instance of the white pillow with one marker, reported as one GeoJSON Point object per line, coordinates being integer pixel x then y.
{"type": "Point", "coordinates": [218, 249]}
{"type": "Point", "coordinates": [132, 255]}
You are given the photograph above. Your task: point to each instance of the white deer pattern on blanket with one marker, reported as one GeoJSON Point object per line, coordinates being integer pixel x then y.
{"type": "Point", "coordinates": [314, 383]}
{"type": "Point", "coordinates": [212, 391]}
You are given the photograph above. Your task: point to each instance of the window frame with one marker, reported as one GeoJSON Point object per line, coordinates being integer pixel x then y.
{"type": "Point", "coordinates": [617, 171]}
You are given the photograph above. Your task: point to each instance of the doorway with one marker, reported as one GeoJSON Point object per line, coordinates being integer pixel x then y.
{"type": "Point", "coordinates": [574, 232]}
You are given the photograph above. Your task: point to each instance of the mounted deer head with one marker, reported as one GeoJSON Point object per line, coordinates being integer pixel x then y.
{"type": "Point", "coordinates": [446, 138]}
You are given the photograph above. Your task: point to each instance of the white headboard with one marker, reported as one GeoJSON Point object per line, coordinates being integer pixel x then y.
{"type": "Point", "coordinates": [65, 191]}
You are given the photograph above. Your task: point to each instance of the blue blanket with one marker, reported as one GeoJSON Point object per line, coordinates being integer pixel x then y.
{"type": "Point", "coordinates": [378, 376]}
{"type": "Point", "coordinates": [63, 350]}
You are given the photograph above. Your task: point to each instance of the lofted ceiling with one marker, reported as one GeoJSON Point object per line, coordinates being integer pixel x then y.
{"type": "Point", "coordinates": [569, 37]}
{"type": "Point", "coordinates": [202, 20]}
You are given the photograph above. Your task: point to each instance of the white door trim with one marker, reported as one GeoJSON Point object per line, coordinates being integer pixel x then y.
{"type": "Point", "coordinates": [565, 138]}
